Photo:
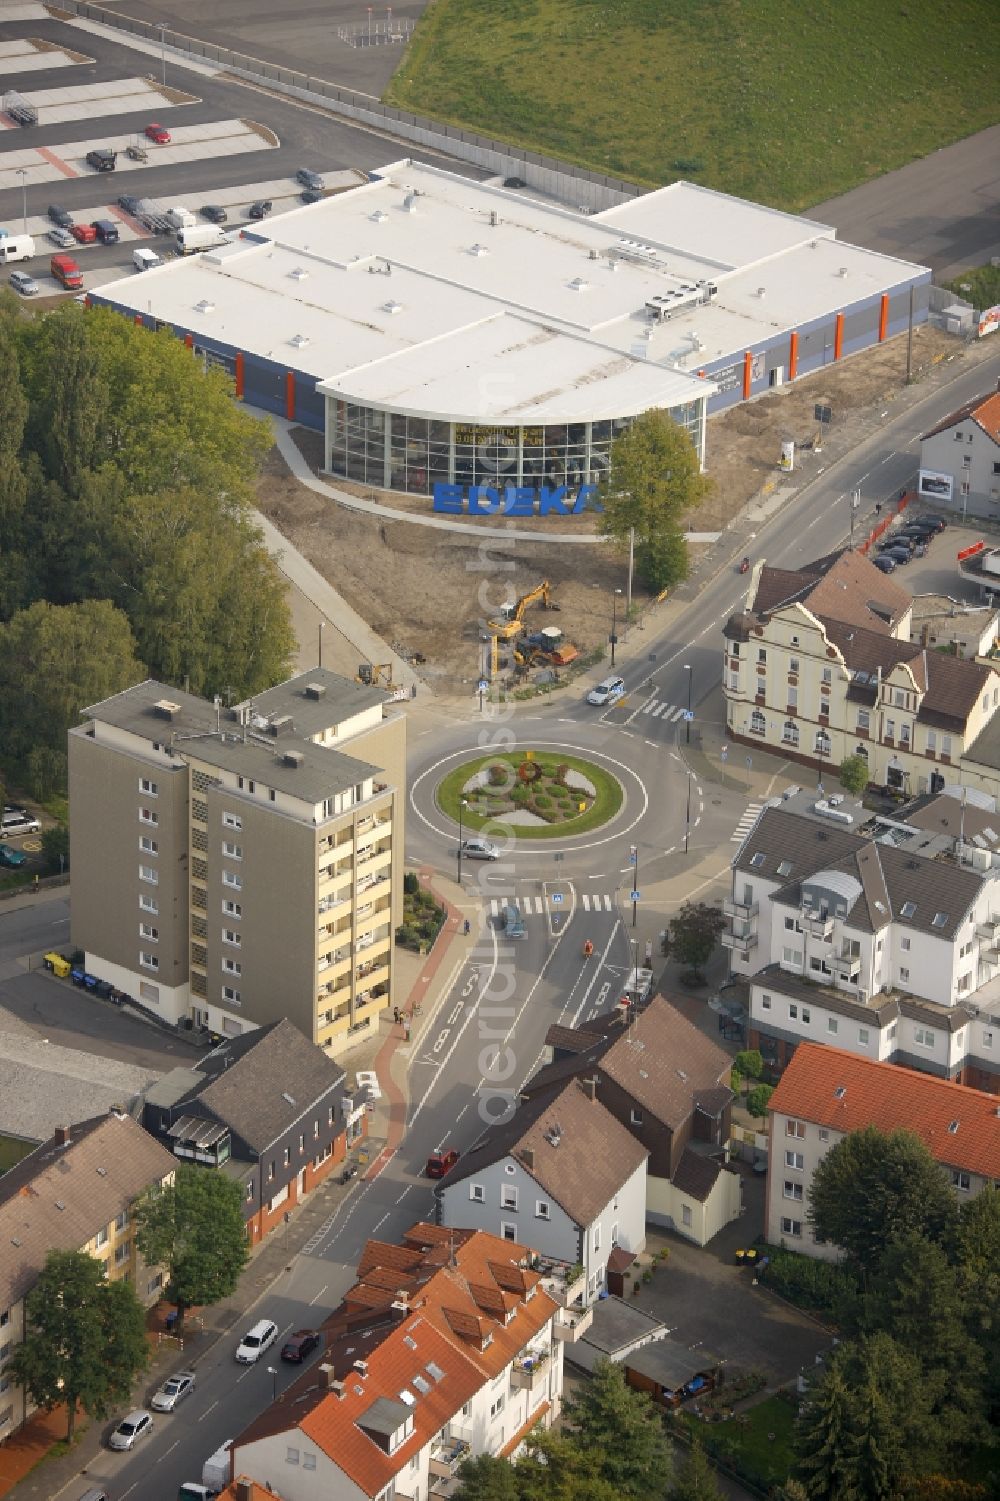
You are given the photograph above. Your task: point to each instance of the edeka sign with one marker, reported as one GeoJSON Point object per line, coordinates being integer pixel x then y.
{"type": "Point", "coordinates": [515, 500]}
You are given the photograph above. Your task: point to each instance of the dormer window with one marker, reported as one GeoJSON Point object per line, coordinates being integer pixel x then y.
{"type": "Point", "coordinates": [758, 858]}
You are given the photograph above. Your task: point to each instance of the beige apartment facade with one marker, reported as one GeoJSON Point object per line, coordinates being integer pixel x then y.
{"type": "Point", "coordinates": [235, 866]}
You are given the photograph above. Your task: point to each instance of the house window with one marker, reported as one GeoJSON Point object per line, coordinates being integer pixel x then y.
{"type": "Point", "coordinates": [765, 1002]}
{"type": "Point", "coordinates": [961, 1180]}
{"type": "Point", "coordinates": [597, 1237]}
{"type": "Point", "coordinates": [508, 1197]}
{"type": "Point", "coordinates": [964, 982]}
{"type": "Point", "coordinates": [827, 674]}
{"type": "Point", "coordinates": [685, 1214]}
{"type": "Point", "coordinates": [145, 931]}
{"type": "Point", "coordinates": [987, 1038]}
{"type": "Point", "coordinates": [542, 1209]}
{"type": "Point", "coordinates": [101, 1238]}
{"type": "Point", "coordinates": [796, 1129]}
{"type": "Point", "coordinates": [147, 873]}
{"type": "Point", "coordinates": [287, 1156]}
{"type": "Point", "coordinates": [149, 788]}
{"type": "Point", "coordinates": [229, 935]}
{"type": "Point", "coordinates": [734, 682]}
{"type": "Point", "coordinates": [890, 729]}
{"type": "Point", "coordinates": [791, 1227]}
{"type": "Point", "coordinates": [122, 1253]}
{"type": "Point", "coordinates": [232, 909]}
{"type": "Point", "coordinates": [477, 1193]}
{"type": "Point", "coordinates": [508, 1230]}
{"type": "Point", "coordinates": [149, 961]}
{"type": "Point", "coordinates": [635, 1117]}
{"type": "Point", "coordinates": [790, 733]}
{"type": "Point", "coordinates": [232, 996]}
{"type": "Point", "coordinates": [148, 846]}
{"type": "Point", "coordinates": [904, 976]}
{"type": "Point", "coordinates": [232, 967]}
{"type": "Point", "coordinates": [863, 1035]}
{"type": "Point", "coordinates": [146, 815]}
{"type": "Point", "coordinates": [761, 654]}
{"type": "Point", "coordinates": [758, 724]}
{"type": "Point", "coordinates": [864, 720]}
{"type": "Point", "coordinates": [923, 1037]}
{"type": "Point", "coordinates": [946, 745]}
{"type": "Point", "coordinates": [231, 880]}
{"type": "Point", "coordinates": [824, 1134]}
{"type": "Point", "coordinates": [232, 821]}
{"type": "Point", "coordinates": [497, 1407]}
{"type": "Point", "coordinates": [904, 944]}
{"type": "Point", "coordinates": [904, 736]}
{"type": "Point", "coordinates": [232, 851]}
{"type": "Point", "coordinates": [793, 665]}
{"type": "Point", "coordinates": [792, 1190]}
{"type": "Point", "coordinates": [823, 743]}
{"type": "Point", "coordinates": [793, 1013]}
{"type": "Point", "coordinates": [807, 1014]}
{"type": "Point", "coordinates": [932, 741]}
{"type": "Point", "coordinates": [795, 1159]}
{"type": "Point", "coordinates": [832, 1025]}
{"type": "Point", "coordinates": [147, 904]}
{"type": "Point", "coordinates": [792, 958]}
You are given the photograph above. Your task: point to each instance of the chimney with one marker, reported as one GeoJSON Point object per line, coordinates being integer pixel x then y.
{"type": "Point", "coordinates": [244, 1489]}
{"type": "Point", "coordinates": [328, 1378]}
{"type": "Point", "coordinates": [361, 1366]}
{"type": "Point", "coordinates": [589, 1087]}
{"type": "Point", "coordinates": [528, 1158]}
{"type": "Point", "coordinates": [62, 1136]}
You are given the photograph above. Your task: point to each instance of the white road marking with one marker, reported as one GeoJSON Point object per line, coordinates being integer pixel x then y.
{"type": "Point", "coordinates": [318, 1295]}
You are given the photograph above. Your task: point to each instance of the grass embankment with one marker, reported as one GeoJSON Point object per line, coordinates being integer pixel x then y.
{"type": "Point", "coordinates": [607, 800]}
{"type": "Point", "coordinates": [773, 100]}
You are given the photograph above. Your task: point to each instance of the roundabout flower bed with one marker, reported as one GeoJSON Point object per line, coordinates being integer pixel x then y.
{"type": "Point", "coordinates": [535, 794]}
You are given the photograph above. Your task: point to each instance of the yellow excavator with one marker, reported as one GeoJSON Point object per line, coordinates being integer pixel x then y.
{"type": "Point", "coordinates": [510, 622]}
{"type": "Point", "coordinates": [376, 675]}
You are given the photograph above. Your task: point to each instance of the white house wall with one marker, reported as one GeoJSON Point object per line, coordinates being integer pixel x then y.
{"type": "Point", "coordinates": [267, 1460]}
{"type": "Point", "coordinates": [557, 1236]}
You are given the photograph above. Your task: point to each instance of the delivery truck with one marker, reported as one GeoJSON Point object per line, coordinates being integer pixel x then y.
{"type": "Point", "coordinates": [200, 237]}
{"type": "Point", "coordinates": [66, 272]}
{"type": "Point", "coordinates": [180, 217]}
{"type": "Point", "coordinates": [145, 260]}
{"type": "Point", "coordinates": [16, 248]}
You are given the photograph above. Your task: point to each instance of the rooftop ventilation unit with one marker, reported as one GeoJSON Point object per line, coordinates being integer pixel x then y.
{"type": "Point", "coordinates": [635, 250]}
{"type": "Point", "coordinates": [761, 291]}
{"type": "Point", "coordinates": [494, 218]}
{"type": "Point", "coordinates": [164, 708]}
{"type": "Point", "coordinates": [410, 203]}
{"type": "Point", "coordinates": [204, 306]}
{"type": "Point", "coordinates": [379, 216]}
{"type": "Point", "coordinates": [595, 254]}
{"type": "Point", "coordinates": [299, 341]}
{"type": "Point", "coordinates": [842, 272]}
{"type": "Point", "coordinates": [315, 690]}
{"type": "Point", "coordinates": [478, 249]}
{"type": "Point", "coordinates": [298, 273]}
{"type": "Point", "coordinates": [578, 284]}
{"type": "Point", "coordinates": [392, 307]}
{"type": "Point", "coordinates": [292, 759]}
{"type": "Point", "coordinates": [284, 724]}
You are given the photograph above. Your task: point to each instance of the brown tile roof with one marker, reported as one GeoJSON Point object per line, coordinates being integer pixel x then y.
{"type": "Point", "coordinates": [59, 1196]}
{"type": "Point", "coordinates": [845, 586]}
{"type": "Point", "coordinates": [951, 686]}
{"type": "Point", "coordinates": [959, 1126]}
{"type": "Point", "coordinates": [984, 410]}
{"type": "Point", "coordinates": [696, 1175]}
{"type": "Point", "coordinates": [580, 1154]}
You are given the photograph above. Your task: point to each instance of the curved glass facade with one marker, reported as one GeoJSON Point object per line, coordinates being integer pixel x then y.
{"type": "Point", "coordinates": [393, 452]}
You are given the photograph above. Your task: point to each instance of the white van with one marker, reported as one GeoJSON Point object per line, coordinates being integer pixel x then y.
{"type": "Point", "coordinates": [201, 237]}
{"type": "Point", "coordinates": [256, 1340]}
{"type": "Point", "coordinates": [179, 217]}
{"type": "Point", "coordinates": [16, 248]}
{"type": "Point", "coordinates": [145, 260]}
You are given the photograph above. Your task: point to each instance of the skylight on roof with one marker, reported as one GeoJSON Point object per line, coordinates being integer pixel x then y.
{"type": "Point", "coordinates": [410, 1341]}
{"type": "Point", "coordinates": [953, 1127]}
{"type": "Point", "coordinates": [758, 858]}
{"type": "Point", "coordinates": [434, 1371]}
{"type": "Point", "coordinates": [423, 1387]}
{"type": "Point", "coordinates": [785, 868]}
{"type": "Point", "coordinates": [907, 909]}
{"type": "Point", "coordinates": [939, 919]}
{"type": "Point", "coordinates": [840, 1092]}
{"type": "Point", "coordinates": [407, 1396]}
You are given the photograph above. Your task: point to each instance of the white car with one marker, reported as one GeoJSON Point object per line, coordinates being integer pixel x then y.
{"type": "Point", "coordinates": [173, 1391]}
{"type": "Point", "coordinates": [608, 692]}
{"type": "Point", "coordinates": [18, 821]}
{"type": "Point", "coordinates": [131, 1429]}
{"type": "Point", "coordinates": [256, 1340]}
{"type": "Point", "coordinates": [61, 237]}
{"type": "Point", "coordinates": [480, 849]}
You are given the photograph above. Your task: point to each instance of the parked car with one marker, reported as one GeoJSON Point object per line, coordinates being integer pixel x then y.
{"type": "Point", "coordinates": [26, 285]}
{"type": "Point", "coordinates": [173, 1391]}
{"type": "Point", "coordinates": [899, 555]}
{"type": "Point", "coordinates": [61, 237]}
{"type": "Point", "coordinates": [439, 1163]}
{"type": "Point", "coordinates": [129, 203]}
{"type": "Point", "coordinates": [158, 133]}
{"type": "Point", "coordinates": [310, 179]}
{"type": "Point", "coordinates": [102, 159]}
{"type": "Point", "coordinates": [214, 213]}
{"type": "Point", "coordinates": [480, 849]}
{"type": "Point", "coordinates": [608, 692]}
{"type": "Point", "coordinates": [12, 857]}
{"type": "Point", "coordinates": [84, 234]}
{"type": "Point", "coordinates": [256, 1340]}
{"type": "Point", "coordinates": [884, 563]}
{"type": "Point", "coordinates": [137, 152]}
{"type": "Point", "coordinates": [260, 209]}
{"type": "Point", "coordinates": [939, 521]}
{"type": "Point", "coordinates": [131, 1429]}
{"type": "Point", "coordinates": [300, 1344]}
{"type": "Point", "coordinates": [312, 195]}
{"type": "Point", "coordinates": [18, 821]}
{"type": "Point", "coordinates": [60, 216]}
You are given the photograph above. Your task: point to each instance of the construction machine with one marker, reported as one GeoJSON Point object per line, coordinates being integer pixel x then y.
{"type": "Point", "coordinates": [379, 675]}
{"type": "Point", "coordinates": [510, 621]}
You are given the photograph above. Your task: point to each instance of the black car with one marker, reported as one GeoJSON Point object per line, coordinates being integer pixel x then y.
{"type": "Point", "coordinates": [214, 213]}
{"type": "Point", "coordinates": [312, 195]}
{"type": "Point", "coordinates": [300, 1344]}
{"type": "Point", "coordinates": [310, 179]}
{"type": "Point", "coordinates": [129, 203]}
{"type": "Point", "coordinates": [60, 216]}
{"type": "Point", "coordinates": [260, 209]}
{"type": "Point", "coordinates": [938, 521]}
{"type": "Point", "coordinates": [514, 182]}
{"type": "Point", "coordinates": [102, 159]}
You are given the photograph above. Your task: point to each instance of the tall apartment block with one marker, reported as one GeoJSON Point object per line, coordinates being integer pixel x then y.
{"type": "Point", "coordinates": [238, 865]}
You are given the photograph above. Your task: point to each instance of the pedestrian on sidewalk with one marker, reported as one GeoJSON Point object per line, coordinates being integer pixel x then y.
{"type": "Point", "coordinates": [468, 928]}
{"type": "Point", "coordinates": [395, 1015]}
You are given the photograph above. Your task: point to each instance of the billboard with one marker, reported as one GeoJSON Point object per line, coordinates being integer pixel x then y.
{"type": "Point", "coordinates": [515, 500]}
{"type": "Point", "coordinates": [933, 485]}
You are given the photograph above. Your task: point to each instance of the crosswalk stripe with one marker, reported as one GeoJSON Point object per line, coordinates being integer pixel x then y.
{"type": "Point", "coordinates": [586, 902]}
{"type": "Point", "coordinates": [649, 707]}
{"type": "Point", "coordinates": [607, 904]}
{"type": "Point", "coordinates": [677, 714]}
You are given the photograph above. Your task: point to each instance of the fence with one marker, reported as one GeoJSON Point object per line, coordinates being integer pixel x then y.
{"type": "Point", "coordinates": [589, 191]}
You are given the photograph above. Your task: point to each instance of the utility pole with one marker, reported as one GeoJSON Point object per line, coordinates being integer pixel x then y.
{"type": "Point", "coordinates": [631, 563]}
{"type": "Point", "coordinates": [22, 173]}
{"type": "Point", "coordinates": [161, 27]}
{"type": "Point", "coordinates": [909, 343]}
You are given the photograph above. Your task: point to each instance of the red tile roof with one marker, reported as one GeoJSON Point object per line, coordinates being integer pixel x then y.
{"type": "Point", "coordinates": [984, 410]}
{"type": "Point", "coordinates": [959, 1126]}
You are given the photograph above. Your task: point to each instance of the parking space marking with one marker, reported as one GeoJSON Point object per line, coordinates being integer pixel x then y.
{"type": "Point", "coordinates": [23, 55]}
{"type": "Point", "coordinates": [63, 168]}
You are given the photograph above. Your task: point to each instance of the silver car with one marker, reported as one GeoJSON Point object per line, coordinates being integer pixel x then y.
{"type": "Point", "coordinates": [61, 237]}
{"type": "Point", "coordinates": [23, 283]}
{"type": "Point", "coordinates": [608, 692]}
{"type": "Point", "coordinates": [131, 1429]}
{"type": "Point", "coordinates": [480, 849]}
{"type": "Point", "coordinates": [173, 1391]}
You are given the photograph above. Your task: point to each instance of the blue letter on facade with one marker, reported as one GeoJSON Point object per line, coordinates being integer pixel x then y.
{"type": "Point", "coordinates": [449, 498]}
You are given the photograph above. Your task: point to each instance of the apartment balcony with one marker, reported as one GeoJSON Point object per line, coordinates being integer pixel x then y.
{"type": "Point", "coordinates": [529, 1372]}
{"type": "Point", "coordinates": [570, 1327]}
{"type": "Point", "coordinates": [374, 886]}
{"type": "Point", "coordinates": [817, 924]}
{"type": "Point", "coordinates": [371, 975]}
{"type": "Point", "coordinates": [373, 864]}
{"type": "Point", "coordinates": [846, 967]}
{"type": "Point", "coordinates": [742, 942]}
{"type": "Point", "coordinates": [742, 910]}
{"type": "Point", "coordinates": [565, 1284]}
{"type": "Point", "coordinates": [443, 1462]}
{"type": "Point", "coordinates": [989, 930]}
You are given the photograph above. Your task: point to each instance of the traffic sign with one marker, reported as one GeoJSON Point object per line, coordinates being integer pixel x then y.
{"type": "Point", "coordinates": [557, 898]}
{"type": "Point", "coordinates": [484, 686]}
{"type": "Point", "coordinates": [636, 896]}
{"type": "Point", "coordinates": [724, 753]}
{"type": "Point", "coordinates": [633, 855]}
{"type": "Point", "coordinates": [688, 715]}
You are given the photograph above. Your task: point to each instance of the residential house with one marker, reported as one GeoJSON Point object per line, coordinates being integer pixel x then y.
{"type": "Point", "coordinates": [826, 1093]}
{"type": "Point", "coordinates": [820, 666]}
{"type": "Point", "coordinates": [960, 460]}
{"type": "Point", "coordinates": [668, 1085]}
{"type": "Point", "coordinates": [563, 1174]}
{"type": "Point", "coordinates": [269, 1108]}
{"type": "Point", "coordinates": [447, 1347]}
{"type": "Point", "coordinates": [75, 1192]}
{"type": "Point", "coordinates": [878, 935]}
{"type": "Point", "coordinates": [233, 866]}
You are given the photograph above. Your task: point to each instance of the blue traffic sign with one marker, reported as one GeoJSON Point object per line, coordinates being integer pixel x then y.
{"type": "Point", "coordinates": [557, 897]}
{"type": "Point", "coordinates": [484, 686]}
{"type": "Point", "coordinates": [688, 714]}
{"type": "Point", "coordinates": [633, 856]}
{"type": "Point", "coordinates": [635, 897]}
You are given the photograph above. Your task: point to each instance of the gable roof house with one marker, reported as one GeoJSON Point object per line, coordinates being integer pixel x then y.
{"type": "Point", "coordinates": [268, 1107]}
{"type": "Point", "coordinates": [960, 460]}
{"type": "Point", "coordinates": [826, 1093]}
{"type": "Point", "coordinates": [819, 666]}
{"type": "Point", "coordinates": [444, 1349]}
{"type": "Point", "coordinates": [667, 1084]}
{"type": "Point", "coordinates": [562, 1173]}
{"type": "Point", "coordinates": [75, 1192]}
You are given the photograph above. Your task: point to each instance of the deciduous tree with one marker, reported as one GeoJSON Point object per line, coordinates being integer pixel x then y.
{"type": "Point", "coordinates": [695, 933]}
{"type": "Point", "coordinates": [195, 1227]}
{"type": "Point", "coordinates": [854, 775]}
{"type": "Point", "coordinates": [757, 1099]}
{"type": "Point", "coordinates": [487, 1479]}
{"type": "Point", "coordinates": [85, 1338]}
{"type": "Point", "coordinates": [655, 478]}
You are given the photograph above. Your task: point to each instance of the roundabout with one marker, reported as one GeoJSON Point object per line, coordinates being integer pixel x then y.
{"type": "Point", "coordinates": [531, 794]}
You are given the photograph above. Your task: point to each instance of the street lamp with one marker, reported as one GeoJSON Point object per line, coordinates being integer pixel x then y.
{"type": "Point", "coordinates": [614, 624]}
{"type": "Point", "coordinates": [322, 625]}
{"type": "Point", "coordinates": [161, 27]}
{"type": "Point", "coordinates": [272, 1371]}
{"type": "Point", "coordinates": [687, 722]}
{"type": "Point", "coordinates": [22, 173]}
{"type": "Point", "coordinates": [462, 803]}
{"type": "Point", "coordinates": [687, 815]}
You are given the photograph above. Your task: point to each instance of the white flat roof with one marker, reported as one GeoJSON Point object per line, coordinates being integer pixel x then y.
{"type": "Point", "coordinates": [426, 292]}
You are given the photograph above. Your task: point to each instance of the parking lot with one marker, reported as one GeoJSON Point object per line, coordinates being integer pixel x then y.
{"type": "Point", "coordinates": [230, 145]}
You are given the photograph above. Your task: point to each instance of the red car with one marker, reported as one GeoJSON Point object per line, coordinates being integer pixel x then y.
{"type": "Point", "coordinates": [439, 1163]}
{"type": "Point", "coordinates": [84, 234]}
{"type": "Point", "coordinates": [158, 133]}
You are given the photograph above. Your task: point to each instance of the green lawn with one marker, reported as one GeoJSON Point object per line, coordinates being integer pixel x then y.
{"type": "Point", "coordinates": [606, 803]}
{"type": "Point", "coordinates": [762, 1448]}
{"type": "Point", "coordinates": [980, 286]}
{"type": "Point", "coordinates": [774, 100]}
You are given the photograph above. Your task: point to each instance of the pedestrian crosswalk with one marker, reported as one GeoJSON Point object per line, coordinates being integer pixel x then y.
{"type": "Point", "coordinates": [669, 713]}
{"type": "Point", "coordinates": [536, 905]}
{"type": "Point", "coordinates": [746, 823]}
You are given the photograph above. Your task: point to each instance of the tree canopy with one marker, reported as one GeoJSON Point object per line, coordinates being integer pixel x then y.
{"type": "Point", "coordinates": [84, 1339]}
{"type": "Point", "coordinates": [854, 774]}
{"type": "Point", "coordinates": [694, 934]}
{"type": "Point", "coordinates": [654, 479]}
{"type": "Point", "coordinates": [623, 1428]}
{"type": "Point", "coordinates": [195, 1227]}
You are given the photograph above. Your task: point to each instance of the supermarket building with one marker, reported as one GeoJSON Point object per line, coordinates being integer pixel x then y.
{"type": "Point", "coordinates": [480, 346]}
